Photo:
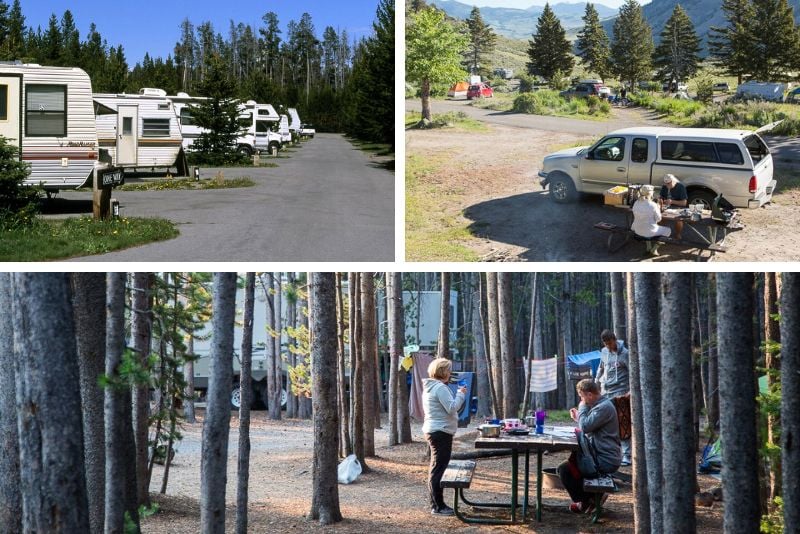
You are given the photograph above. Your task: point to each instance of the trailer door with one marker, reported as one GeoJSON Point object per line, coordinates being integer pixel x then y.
{"type": "Point", "coordinates": [127, 135]}
{"type": "Point", "coordinates": [11, 108]}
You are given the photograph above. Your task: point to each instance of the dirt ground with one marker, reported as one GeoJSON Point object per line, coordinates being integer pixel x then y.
{"type": "Point", "coordinates": [391, 498]}
{"type": "Point", "coordinates": [489, 185]}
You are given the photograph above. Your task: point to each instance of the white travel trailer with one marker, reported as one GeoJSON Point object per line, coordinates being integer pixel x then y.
{"type": "Point", "coordinates": [257, 124]}
{"type": "Point", "coordinates": [771, 91]}
{"type": "Point", "coordinates": [144, 131]}
{"type": "Point", "coordinates": [49, 114]}
{"type": "Point", "coordinates": [284, 131]}
{"type": "Point", "coordinates": [294, 121]}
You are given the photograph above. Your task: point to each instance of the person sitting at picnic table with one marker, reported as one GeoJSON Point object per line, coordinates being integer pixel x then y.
{"type": "Point", "coordinates": [440, 425]}
{"type": "Point", "coordinates": [597, 419]}
{"type": "Point", "coordinates": [673, 193]}
{"type": "Point", "coordinates": [646, 217]}
{"type": "Point", "coordinates": [612, 375]}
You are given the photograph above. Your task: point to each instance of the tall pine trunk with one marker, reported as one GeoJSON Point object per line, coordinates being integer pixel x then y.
{"type": "Point", "coordinates": [10, 496]}
{"type": "Point", "coordinates": [214, 454]}
{"type": "Point", "coordinates": [677, 410]}
{"type": "Point", "coordinates": [618, 305]}
{"type": "Point", "coordinates": [52, 473]}
{"type": "Point", "coordinates": [325, 488]}
{"type": "Point", "coordinates": [443, 344]}
{"type": "Point", "coordinates": [772, 334]}
{"type": "Point", "coordinates": [481, 368]}
{"type": "Point", "coordinates": [494, 344]}
{"type": "Point", "coordinates": [790, 399]}
{"type": "Point", "coordinates": [646, 290]}
{"type": "Point", "coordinates": [357, 385]}
{"type": "Point", "coordinates": [505, 318]}
{"type": "Point", "coordinates": [345, 444]}
{"type": "Point", "coordinates": [394, 294]}
{"type": "Point", "coordinates": [246, 391]}
{"type": "Point", "coordinates": [368, 355]}
{"type": "Point", "coordinates": [737, 402]}
{"type": "Point", "coordinates": [88, 305]}
{"type": "Point", "coordinates": [713, 362]}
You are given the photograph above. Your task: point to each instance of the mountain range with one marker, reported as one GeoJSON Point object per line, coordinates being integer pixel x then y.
{"type": "Point", "coordinates": [521, 23]}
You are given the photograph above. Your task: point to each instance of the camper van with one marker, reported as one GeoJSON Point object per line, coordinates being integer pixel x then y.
{"type": "Point", "coordinates": [284, 131]}
{"type": "Point", "coordinates": [257, 124]}
{"type": "Point", "coordinates": [49, 114]}
{"type": "Point", "coordinates": [294, 121]}
{"type": "Point", "coordinates": [143, 132]}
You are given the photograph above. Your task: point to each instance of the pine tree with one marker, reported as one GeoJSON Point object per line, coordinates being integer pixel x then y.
{"type": "Point", "coordinates": [482, 40]}
{"type": "Point", "coordinates": [775, 50]}
{"type": "Point", "coordinates": [677, 56]}
{"type": "Point", "coordinates": [4, 28]}
{"type": "Point", "coordinates": [376, 97]}
{"type": "Point", "coordinates": [593, 46]}
{"type": "Point", "coordinates": [71, 51]}
{"type": "Point", "coordinates": [14, 47]}
{"type": "Point", "coordinates": [730, 46]}
{"type": "Point", "coordinates": [52, 42]}
{"type": "Point", "coordinates": [632, 49]}
{"type": "Point", "coordinates": [218, 114]}
{"type": "Point", "coordinates": [433, 49]}
{"type": "Point", "coordinates": [549, 51]}
{"type": "Point", "coordinates": [17, 201]}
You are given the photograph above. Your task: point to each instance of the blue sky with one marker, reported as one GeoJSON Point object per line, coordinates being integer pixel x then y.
{"type": "Point", "coordinates": [154, 26]}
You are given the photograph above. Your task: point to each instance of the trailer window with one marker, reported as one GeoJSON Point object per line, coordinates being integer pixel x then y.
{"type": "Point", "coordinates": [757, 148]}
{"type": "Point", "coordinates": [263, 126]}
{"type": "Point", "coordinates": [46, 110]}
{"type": "Point", "coordinates": [3, 102]}
{"type": "Point", "coordinates": [155, 127]}
{"type": "Point", "coordinates": [186, 117]}
{"type": "Point", "coordinates": [163, 106]}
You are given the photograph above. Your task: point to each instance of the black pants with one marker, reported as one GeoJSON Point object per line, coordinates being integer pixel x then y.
{"type": "Point", "coordinates": [441, 444]}
{"type": "Point", "coordinates": [573, 481]}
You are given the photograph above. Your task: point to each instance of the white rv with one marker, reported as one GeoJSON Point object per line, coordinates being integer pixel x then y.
{"type": "Point", "coordinates": [294, 121]}
{"type": "Point", "coordinates": [144, 132]}
{"type": "Point", "coordinates": [49, 114]}
{"type": "Point", "coordinates": [257, 122]}
{"type": "Point", "coordinates": [284, 131]}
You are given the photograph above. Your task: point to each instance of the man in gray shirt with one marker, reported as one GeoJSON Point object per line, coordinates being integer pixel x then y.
{"type": "Point", "coordinates": [613, 377]}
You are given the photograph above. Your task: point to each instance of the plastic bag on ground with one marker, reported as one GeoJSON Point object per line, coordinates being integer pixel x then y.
{"type": "Point", "coordinates": [349, 469]}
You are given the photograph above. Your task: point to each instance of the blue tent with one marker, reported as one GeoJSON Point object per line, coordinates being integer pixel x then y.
{"type": "Point", "coordinates": [580, 366]}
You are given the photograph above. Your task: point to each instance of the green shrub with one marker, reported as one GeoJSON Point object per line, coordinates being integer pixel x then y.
{"type": "Point", "coordinates": [526, 83]}
{"type": "Point", "coordinates": [18, 202]}
{"type": "Point", "coordinates": [559, 81]}
{"type": "Point", "coordinates": [548, 102]}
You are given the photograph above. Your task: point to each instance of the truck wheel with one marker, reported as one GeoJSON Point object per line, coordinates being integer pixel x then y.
{"type": "Point", "coordinates": [701, 196]}
{"type": "Point", "coordinates": [236, 398]}
{"type": "Point", "coordinates": [244, 150]}
{"type": "Point", "coordinates": [284, 397]}
{"type": "Point", "coordinates": [561, 188]}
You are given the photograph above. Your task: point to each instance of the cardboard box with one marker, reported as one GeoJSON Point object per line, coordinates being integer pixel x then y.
{"type": "Point", "coordinates": [616, 196]}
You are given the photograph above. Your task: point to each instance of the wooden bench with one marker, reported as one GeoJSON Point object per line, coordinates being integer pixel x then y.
{"type": "Point", "coordinates": [599, 486]}
{"type": "Point", "coordinates": [458, 476]}
{"type": "Point", "coordinates": [628, 233]}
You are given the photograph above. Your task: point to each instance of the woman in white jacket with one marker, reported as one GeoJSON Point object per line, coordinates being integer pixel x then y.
{"type": "Point", "coordinates": [646, 216]}
{"type": "Point", "coordinates": [441, 421]}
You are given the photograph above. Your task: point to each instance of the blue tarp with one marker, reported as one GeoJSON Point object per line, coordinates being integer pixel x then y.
{"type": "Point", "coordinates": [584, 365]}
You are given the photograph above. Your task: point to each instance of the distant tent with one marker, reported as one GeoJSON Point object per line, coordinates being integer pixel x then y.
{"type": "Point", "coordinates": [580, 366]}
{"type": "Point", "coordinates": [458, 90]}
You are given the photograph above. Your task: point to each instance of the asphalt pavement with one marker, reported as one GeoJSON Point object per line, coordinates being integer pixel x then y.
{"type": "Point", "coordinates": [326, 202]}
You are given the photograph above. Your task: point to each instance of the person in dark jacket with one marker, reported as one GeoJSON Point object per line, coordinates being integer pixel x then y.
{"type": "Point", "coordinates": [440, 425]}
{"type": "Point", "coordinates": [597, 419]}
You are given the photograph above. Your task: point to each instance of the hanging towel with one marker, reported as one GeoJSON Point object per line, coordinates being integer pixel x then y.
{"type": "Point", "coordinates": [419, 372]}
{"type": "Point", "coordinates": [544, 375]}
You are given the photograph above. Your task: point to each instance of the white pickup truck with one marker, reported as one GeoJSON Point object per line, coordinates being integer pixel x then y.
{"type": "Point", "coordinates": [307, 130]}
{"type": "Point", "coordinates": [735, 163]}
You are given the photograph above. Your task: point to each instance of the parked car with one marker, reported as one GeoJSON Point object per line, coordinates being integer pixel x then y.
{"type": "Point", "coordinates": [722, 86]}
{"type": "Point", "coordinates": [479, 91]}
{"type": "Point", "coordinates": [794, 96]}
{"type": "Point", "coordinates": [307, 130]}
{"type": "Point", "coordinates": [582, 90]}
{"type": "Point", "coordinates": [674, 87]}
{"type": "Point", "coordinates": [735, 163]}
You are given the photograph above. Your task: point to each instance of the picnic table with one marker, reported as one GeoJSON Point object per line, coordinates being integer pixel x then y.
{"type": "Point", "coordinates": [705, 231]}
{"type": "Point", "coordinates": [553, 439]}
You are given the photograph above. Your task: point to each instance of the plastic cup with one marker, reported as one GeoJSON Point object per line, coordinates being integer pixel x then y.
{"type": "Point", "coordinates": [540, 429]}
{"type": "Point", "coordinates": [462, 383]}
{"type": "Point", "coordinates": [540, 417]}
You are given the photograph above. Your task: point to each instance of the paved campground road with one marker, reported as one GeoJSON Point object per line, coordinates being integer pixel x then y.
{"type": "Point", "coordinates": [328, 201]}
{"type": "Point", "coordinates": [486, 183]}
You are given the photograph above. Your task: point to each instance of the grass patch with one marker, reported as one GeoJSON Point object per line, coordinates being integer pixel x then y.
{"type": "Point", "coordinates": [548, 102]}
{"type": "Point", "coordinates": [431, 235]}
{"type": "Point", "coordinates": [67, 238]}
{"type": "Point", "coordinates": [558, 416]}
{"type": "Point", "coordinates": [186, 183]}
{"type": "Point", "coordinates": [499, 102]}
{"type": "Point", "coordinates": [379, 149]}
{"type": "Point", "coordinates": [451, 119]}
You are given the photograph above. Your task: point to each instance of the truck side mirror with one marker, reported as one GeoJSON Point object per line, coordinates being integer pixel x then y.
{"type": "Point", "coordinates": [589, 155]}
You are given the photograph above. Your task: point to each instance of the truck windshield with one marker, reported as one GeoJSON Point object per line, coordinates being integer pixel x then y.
{"type": "Point", "coordinates": [757, 148]}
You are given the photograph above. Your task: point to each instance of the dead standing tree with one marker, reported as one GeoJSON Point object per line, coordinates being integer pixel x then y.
{"type": "Point", "coordinates": [214, 454]}
{"type": "Point", "coordinates": [325, 489]}
{"type": "Point", "coordinates": [52, 475]}
{"type": "Point", "coordinates": [737, 402]}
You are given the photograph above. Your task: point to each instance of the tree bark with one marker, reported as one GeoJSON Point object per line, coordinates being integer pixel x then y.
{"type": "Point", "coordinates": [345, 445]}
{"type": "Point", "coordinates": [246, 391]}
{"type": "Point", "coordinates": [88, 305]}
{"type": "Point", "coordinates": [646, 290]}
{"type": "Point", "coordinates": [281, 377]}
{"type": "Point", "coordinates": [481, 368]}
{"type": "Point", "coordinates": [274, 367]}
{"type": "Point", "coordinates": [531, 351]}
{"type": "Point", "coordinates": [737, 402]}
{"type": "Point", "coordinates": [325, 488]}
{"type": "Point", "coordinates": [394, 293]}
{"type": "Point", "coordinates": [214, 454]}
{"type": "Point", "coordinates": [494, 344]}
{"type": "Point", "coordinates": [713, 361]}
{"type": "Point", "coordinates": [10, 496]}
{"type": "Point", "coordinates": [357, 385]}
{"type": "Point", "coordinates": [618, 305]}
{"type": "Point", "coordinates": [52, 470]}
{"type": "Point", "coordinates": [790, 399]}
{"type": "Point", "coordinates": [141, 332]}
{"type": "Point", "coordinates": [509, 361]}
{"type": "Point", "coordinates": [677, 436]}
{"type": "Point", "coordinates": [368, 353]}
{"type": "Point", "coordinates": [443, 344]}
{"type": "Point", "coordinates": [292, 403]}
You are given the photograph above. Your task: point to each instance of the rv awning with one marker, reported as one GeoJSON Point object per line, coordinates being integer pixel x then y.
{"type": "Point", "coordinates": [102, 109]}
